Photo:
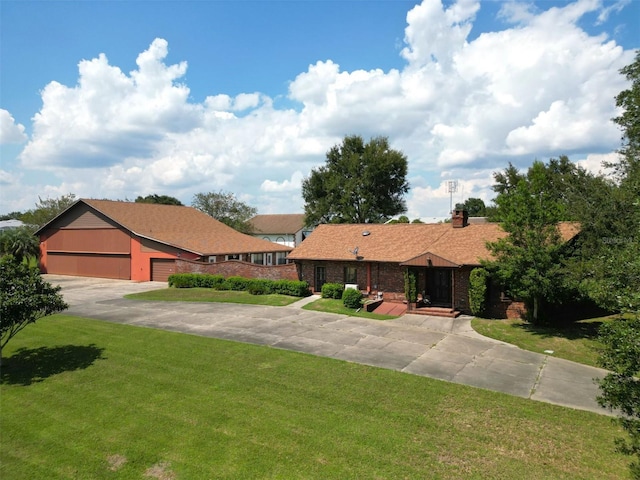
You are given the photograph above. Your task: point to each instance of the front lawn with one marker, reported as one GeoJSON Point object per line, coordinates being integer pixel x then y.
{"type": "Point", "coordinates": [329, 305]}
{"type": "Point", "coordinates": [98, 400]}
{"type": "Point", "coordinates": [210, 295]}
{"type": "Point", "coordinates": [576, 341]}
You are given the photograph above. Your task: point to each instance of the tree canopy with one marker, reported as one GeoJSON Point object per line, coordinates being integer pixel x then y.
{"type": "Point", "coordinates": [226, 208]}
{"type": "Point", "coordinates": [159, 199]}
{"type": "Point", "coordinates": [475, 207]}
{"type": "Point", "coordinates": [24, 298]}
{"type": "Point", "coordinates": [47, 209]}
{"type": "Point", "coordinates": [19, 242]}
{"type": "Point", "coordinates": [359, 183]}
{"type": "Point", "coordinates": [528, 261]}
{"type": "Point", "coordinates": [611, 270]}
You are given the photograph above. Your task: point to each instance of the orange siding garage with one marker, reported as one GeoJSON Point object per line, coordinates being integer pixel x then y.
{"type": "Point", "coordinates": [161, 268]}
{"type": "Point", "coordinates": [90, 265]}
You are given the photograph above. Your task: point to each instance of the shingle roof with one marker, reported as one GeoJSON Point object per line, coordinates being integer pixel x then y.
{"type": "Point", "coordinates": [287, 223]}
{"type": "Point", "coordinates": [182, 227]}
{"type": "Point", "coordinates": [401, 242]}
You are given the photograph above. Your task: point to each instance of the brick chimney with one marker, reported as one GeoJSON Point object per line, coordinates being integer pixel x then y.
{"type": "Point", "coordinates": [460, 218]}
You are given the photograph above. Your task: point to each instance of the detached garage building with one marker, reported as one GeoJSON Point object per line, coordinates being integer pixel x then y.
{"type": "Point", "coordinates": [140, 241]}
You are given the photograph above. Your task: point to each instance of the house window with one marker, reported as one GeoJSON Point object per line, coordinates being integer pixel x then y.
{"type": "Point", "coordinates": [350, 275]}
{"type": "Point", "coordinates": [235, 256]}
{"type": "Point", "coordinates": [281, 258]}
{"type": "Point", "coordinates": [281, 241]}
{"type": "Point", "coordinates": [257, 258]}
{"type": "Point", "coordinates": [212, 259]}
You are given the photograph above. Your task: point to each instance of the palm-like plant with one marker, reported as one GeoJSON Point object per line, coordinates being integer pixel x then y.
{"type": "Point", "coordinates": [19, 242]}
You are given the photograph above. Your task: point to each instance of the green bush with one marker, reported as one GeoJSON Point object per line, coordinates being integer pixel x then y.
{"type": "Point", "coordinates": [352, 298]}
{"type": "Point", "coordinates": [255, 286]}
{"type": "Point", "coordinates": [332, 290]}
{"type": "Point", "coordinates": [478, 291]}
{"type": "Point", "coordinates": [236, 283]}
{"type": "Point", "coordinates": [294, 288]}
{"type": "Point", "coordinates": [410, 291]}
{"type": "Point", "coordinates": [258, 286]}
{"type": "Point", "coordinates": [193, 280]}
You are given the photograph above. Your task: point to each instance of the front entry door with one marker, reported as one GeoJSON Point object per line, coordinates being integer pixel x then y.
{"type": "Point", "coordinates": [439, 286]}
{"type": "Point", "coordinates": [321, 278]}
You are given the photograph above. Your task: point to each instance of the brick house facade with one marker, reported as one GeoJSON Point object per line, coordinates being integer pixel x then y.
{"type": "Point", "coordinates": [375, 257]}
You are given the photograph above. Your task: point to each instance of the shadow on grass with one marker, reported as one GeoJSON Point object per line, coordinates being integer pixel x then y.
{"type": "Point", "coordinates": [570, 331]}
{"type": "Point", "coordinates": [32, 365]}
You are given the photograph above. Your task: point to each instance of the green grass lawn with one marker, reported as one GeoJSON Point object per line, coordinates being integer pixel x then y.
{"type": "Point", "coordinates": [336, 306]}
{"type": "Point", "coordinates": [210, 295]}
{"type": "Point", "coordinates": [576, 341]}
{"type": "Point", "coordinates": [97, 400]}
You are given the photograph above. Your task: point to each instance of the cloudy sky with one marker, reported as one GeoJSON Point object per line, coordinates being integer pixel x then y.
{"type": "Point", "coordinates": [120, 99]}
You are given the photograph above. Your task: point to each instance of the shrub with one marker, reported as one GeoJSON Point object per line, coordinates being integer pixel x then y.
{"type": "Point", "coordinates": [352, 298]}
{"type": "Point", "coordinates": [258, 286]}
{"type": "Point", "coordinates": [193, 280]}
{"type": "Point", "coordinates": [332, 290]}
{"type": "Point", "coordinates": [478, 291]}
{"type": "Point", "coordinates": [410, 291]}
{"type": "Point", "coordinates": [294, 288]}
{"type": "Point", "coordinates": [236, 283]}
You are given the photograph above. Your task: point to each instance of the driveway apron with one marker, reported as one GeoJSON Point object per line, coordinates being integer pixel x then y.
{"type": "Point", "coordinates": [441, 348]}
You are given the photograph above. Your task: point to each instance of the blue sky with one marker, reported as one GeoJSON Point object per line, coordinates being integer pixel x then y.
{"type": "Point", "coordinates": [247, 96]}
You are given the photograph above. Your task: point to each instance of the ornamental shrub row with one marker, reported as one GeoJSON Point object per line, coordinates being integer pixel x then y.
{"type": "Point", "coordinates": [255, 286]}
{"type": "Point", "coordinates": [332, 290]}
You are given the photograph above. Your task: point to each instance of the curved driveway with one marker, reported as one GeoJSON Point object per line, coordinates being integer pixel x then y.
{"type": "Point", "coordinates": [442, 348]}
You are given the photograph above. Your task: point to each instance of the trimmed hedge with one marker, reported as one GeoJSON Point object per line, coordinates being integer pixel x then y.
{"type": "Point", "coordinates": [255, 286]}
{"type": "Point", "coordinates": [352, 298]}
{"type": "Point", "coordinates": [193, 280]}
{"type": "Point", "coordinates": [332, 290]}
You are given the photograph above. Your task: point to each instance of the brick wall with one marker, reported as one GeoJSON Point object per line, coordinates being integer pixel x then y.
{"type": "Point", "coordinates": [238, 268]}
{"type": "Point", "coordinates": [378, 277]}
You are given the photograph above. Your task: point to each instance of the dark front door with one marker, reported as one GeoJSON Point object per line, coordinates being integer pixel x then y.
{"type": "Point", "coordinates": [439, 286]}
{"type": "Point", "coordinates": [321, 278]}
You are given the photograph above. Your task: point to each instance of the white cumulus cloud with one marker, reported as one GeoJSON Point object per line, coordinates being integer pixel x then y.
{"type": "Point", "coordinates": [538, 88]}
{"type": "Point", "coordinates": [10, 131]}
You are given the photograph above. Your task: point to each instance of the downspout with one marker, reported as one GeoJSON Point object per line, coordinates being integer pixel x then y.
{"type": "Point", "coordinates": [368, 277]}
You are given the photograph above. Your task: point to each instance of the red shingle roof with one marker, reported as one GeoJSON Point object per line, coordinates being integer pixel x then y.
{"type": "Point", "coordinates": [401, 242]}
{"type": "Point", "coordinates": [182, 227]}
{"type": "Point", "coordinates": [288, 223]}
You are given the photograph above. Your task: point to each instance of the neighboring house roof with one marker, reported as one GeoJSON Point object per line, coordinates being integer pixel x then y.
{"type": "Point", "coordinates": [11, 223]}
{"type": "Point", "coordinates": [287, 223]}
{"type": "Point", "coordinates": [402, 242]}
{"type": "Point", "coordinates": [182, 227]}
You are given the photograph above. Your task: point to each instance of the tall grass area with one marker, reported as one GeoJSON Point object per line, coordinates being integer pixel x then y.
{"type": "Point", "coordinates": [97, 400]}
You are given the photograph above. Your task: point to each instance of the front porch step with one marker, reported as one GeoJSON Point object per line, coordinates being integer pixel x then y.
{"type": "Point", "coordinates": [436, 312]}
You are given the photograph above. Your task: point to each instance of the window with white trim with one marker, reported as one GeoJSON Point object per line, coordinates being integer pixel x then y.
{"type": "Point", "coordinates": [257, 258]}
{"type": "Point", "coordinates": [235, 256]}
{"type": "Point", "coordinates": [281, 258]}
{"type": "Point", "coordinates": [212, 259]}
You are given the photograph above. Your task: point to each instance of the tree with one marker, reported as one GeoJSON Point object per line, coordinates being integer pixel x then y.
{"type": "Point", "coordinates": [47, 209]}
{"type": "Point", "coordinates": [226, 208]}
{"type": "Point", "coordinates": [159, 199]}
{"type": "Point", "coordinates": [528, 261]}
{"type": "Point", "coordinates": [359, 183]}
{"type": "Point", "coordinates": [612, 275]}
{"type": "Point", "coordinates": [475, 207]}
{"type": "Point", "coordinates": [24, 298]}
{"type": "Point", "coordinates": [19, 242]}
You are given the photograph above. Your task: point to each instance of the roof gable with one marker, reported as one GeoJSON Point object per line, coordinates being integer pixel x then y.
{"type": "Point", "coordinates": [273, 224]}
{"type": "Point", "coordinates": [182, 227]}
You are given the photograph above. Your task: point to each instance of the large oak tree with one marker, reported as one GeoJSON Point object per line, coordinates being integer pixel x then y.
{"type": "Point", "coordinates": [359, 183]}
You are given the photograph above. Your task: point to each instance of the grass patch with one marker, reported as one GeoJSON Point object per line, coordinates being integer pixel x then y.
{"type": "Point", "coordinates": [329, 305]}
{"type": "Point", "coordinates": [576, 341]}
{"type": "Point", "coordinates": [90, 399]}
{"type": "Point", "coordinates": [210, 295]}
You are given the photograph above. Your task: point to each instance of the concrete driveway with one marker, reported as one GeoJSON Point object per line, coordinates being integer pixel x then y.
{"type": "Point", "coordinates": [442, 348]}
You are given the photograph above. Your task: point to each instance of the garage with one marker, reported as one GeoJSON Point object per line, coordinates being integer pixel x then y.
{"type": "Point", "coordinates": [90, 265]}
{"type": "Point", "coordinates": [161, 268]}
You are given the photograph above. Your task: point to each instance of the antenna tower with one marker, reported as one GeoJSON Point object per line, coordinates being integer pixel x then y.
{"type": "Point", "coordinates": [452, 187]}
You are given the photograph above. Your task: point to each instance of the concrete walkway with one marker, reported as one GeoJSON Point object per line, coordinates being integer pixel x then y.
{"type": "Point", "coordinates": [442, 348]}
